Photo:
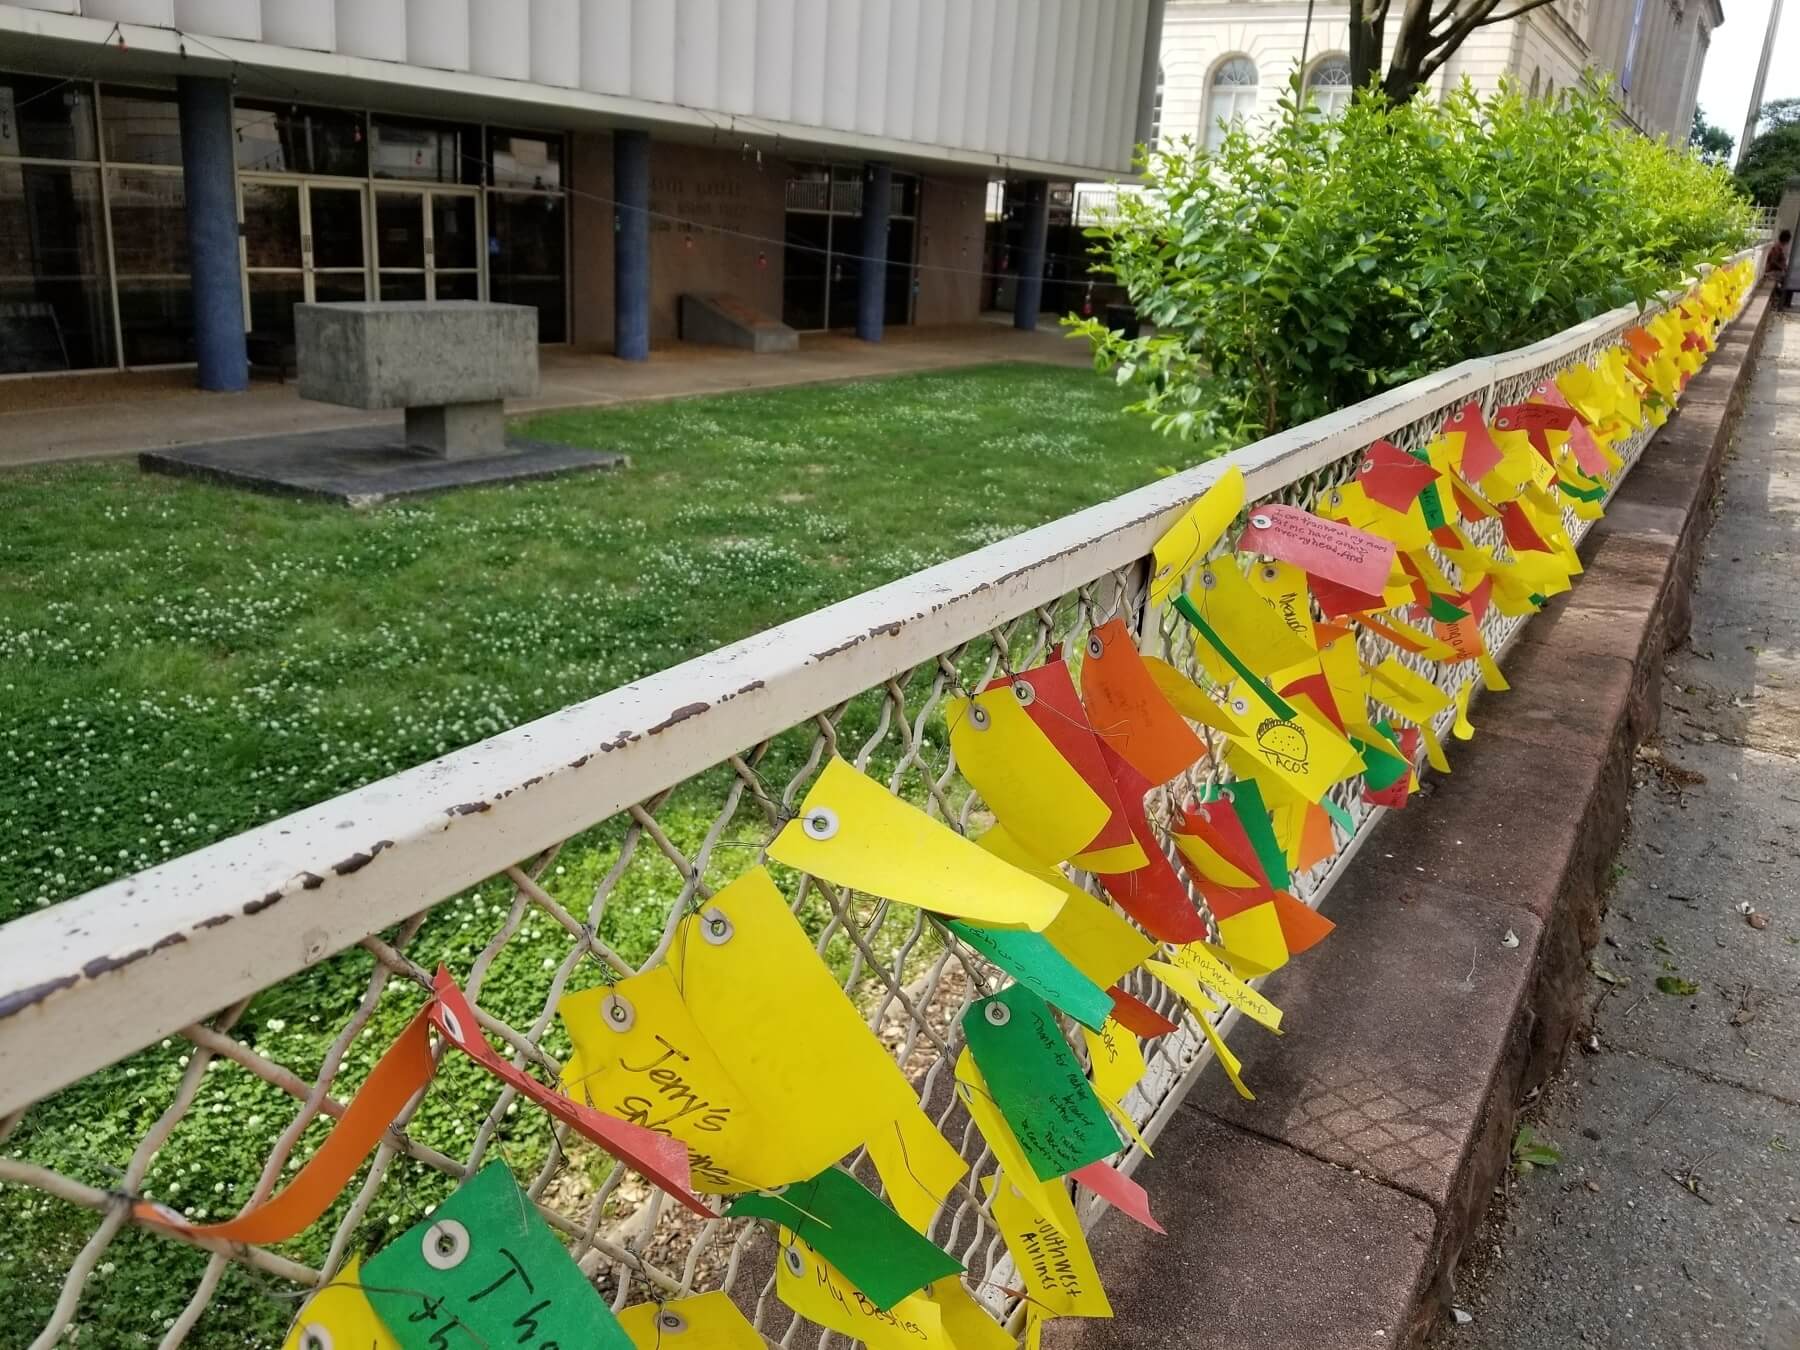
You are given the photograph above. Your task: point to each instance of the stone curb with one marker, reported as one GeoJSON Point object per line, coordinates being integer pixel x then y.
{"type": "Point", "coordinates": [1332, 1211]}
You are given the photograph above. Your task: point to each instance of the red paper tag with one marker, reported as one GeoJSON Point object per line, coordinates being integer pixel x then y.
{"type": "Point", "coordinates": [1321, 548]}
{"type": "Point", "coordinates": [1217, 826]}
{"type": "Point", "coordinates": [1480, 454]}
{"type": "Point", "coordinates": [1392, 477]}
{"type": "Point", "coordinates": [1520, 532]}
{"type": "Point", "coordinates": [1643, 344]}
{"type": "Point", "coordinates": [1055, 709]}
{"type": "Point", "coordinates": [1119, 1191]}
{"type": "Point", "coordinates": [1335, 599]}
{"type": "Point", "coordinates": [657, 1157]}
{"type": "Point", "coordinates": [1151, 894]}
{"type": "Point", "coordinates": [1137, 1016]}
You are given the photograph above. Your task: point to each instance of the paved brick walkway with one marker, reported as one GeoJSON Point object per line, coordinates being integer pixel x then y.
{"type": "Point", "coordinates": [1674, 1218]}
{"type": "Point", "coordinates": [86, 417]}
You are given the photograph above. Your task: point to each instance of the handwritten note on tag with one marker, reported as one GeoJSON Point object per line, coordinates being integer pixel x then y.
{"type": "Point", "coordinates": [701, 1322]}
{"type": "Point", "coordinates": [1320, 547]}
{"type": "Point", "coordinates": [1192, 537]}
{"type": "Point", "coordinates": [340, 1314]}
{"type": "Point", "coordinates": [806, 1282]}
{"type": "Point", "coordinates": [1211, 972]}
{"type": "Point", "coordinates": [841, 1219]}
{"type": "Point", "coordinates": [853, 832]}
{"type": "Point", "coordinates": [1129, 713]}
{"type": "Point", "coordinates": [1037, 1083]}
{"type": "Point", "coordinates": [1248, 625]}
{"type": "Point", "coordinates": [1043, 1234]}
{"type": "Point", "coordinates": [485, 1269]}
{"type": "Point", "coordinates": [788, 1035]}
{"type": "Point", "coordinates": [1031, 960]}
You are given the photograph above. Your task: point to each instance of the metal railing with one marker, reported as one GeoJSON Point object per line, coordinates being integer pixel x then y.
{"type": "Point", "coordinates": [610, 817]}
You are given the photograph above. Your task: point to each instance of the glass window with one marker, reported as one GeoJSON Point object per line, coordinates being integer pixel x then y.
{"type": "Point", "coordinates": [42, 118]}
{"type": "Point", "coordinates": [427, 152]}
{"type": "Point", "coordinates": [1233, 98]}
{"type": "Point", "coordinates": [526, 160]}
{"type": "Point", "coordinates": [55, 307]}
{"type": "Point", "coordinates": [526, 258]}
{"type": "Point", "coordinates": [1156, 107]}
{"type": "Point", "coordinates": [1328, 87]}
{"type": "Point", "coordinates": [289, 138]}
{"type": "Point", "coordinates": [143, 126]}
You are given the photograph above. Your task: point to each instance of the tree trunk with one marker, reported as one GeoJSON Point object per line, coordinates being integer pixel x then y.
{"type": "Point", "coordinates": [1366, 24]}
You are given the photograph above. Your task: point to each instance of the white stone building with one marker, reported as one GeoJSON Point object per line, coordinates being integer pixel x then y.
{"type": "Point", "coordinates": [1232, 58]}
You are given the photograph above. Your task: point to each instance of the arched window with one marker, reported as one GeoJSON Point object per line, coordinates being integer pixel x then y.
{"type": "Point", "coordinates": [1232, 98]}
{"type": "Point", "coordinates": [1328, 86]}
{"type": "Point", "coordinates": [1156, 107]}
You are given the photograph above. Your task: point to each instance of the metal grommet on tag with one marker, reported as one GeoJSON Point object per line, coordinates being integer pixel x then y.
{"type": "Point", "coordinates": [1208, 580]}
{"type": "Point", "coordinates": [618, 1014]}
{"type": "Point", "coordinates": [316, 1337]}
{"type": "Point", "coordinates": [1368, 466]}
{"type": "Point", "coordinates": [1226, 797]}
{"type": "Point", "coordinates": [775, 1192]}
{"type": "Point", "coordinates": [1261, 521]}
{"type": "Point", "coordinates": [1023, 691]}
{"type": "Point", "coordinates": [715, 927]}
{"type": "Point", "coordinates": [820, 823]}
{"type": "Point", "coordinates": [1270, 572]}
{"type": "Point", "coordinates": [444, 1245]}
{"type": "Point", "coordinates": [1201, 811]}
{"type": "Point", "coordinates": [796, 1263]}
{"type": "Point", "coordinates": [1501, 422]}
{"type": "Point", "coordinates": [997, 1014]}
{"type": "Point", "coordinates": [979, 717]}
{"type": "Point", "coordinates": [1337, 498]}
{"type": "Point", "coordinates": [1096, 648]}
{"type": "Point", "coordinates": [1240, 705]}
{"type": "Point", "coordinates": [671, 1322]}
{"type": "Point", "coordinates": [452, 1027]}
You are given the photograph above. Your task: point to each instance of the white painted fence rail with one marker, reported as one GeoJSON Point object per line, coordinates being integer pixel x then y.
{"type": "Point", "coordinates": [89, 983]}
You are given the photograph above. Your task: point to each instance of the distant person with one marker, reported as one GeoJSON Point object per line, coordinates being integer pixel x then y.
{"type": "Point", "coordinates": [1778, 267]}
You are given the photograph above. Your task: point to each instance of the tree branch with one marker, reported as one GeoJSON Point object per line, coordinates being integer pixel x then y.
{"type": "Point", "coordinates": [1479, 16]}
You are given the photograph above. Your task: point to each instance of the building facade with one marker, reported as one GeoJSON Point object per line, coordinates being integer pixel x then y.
{"type": "Point", "coordinates": [1226, 59]}
{"type": "Point", "coordinates": [176, 174]}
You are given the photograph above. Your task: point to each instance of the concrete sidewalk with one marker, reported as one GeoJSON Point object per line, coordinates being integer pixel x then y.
{"type": "Point", "coordinates": [1673, 1219]}
{"type": "Point", "coordinates": [93, 416]}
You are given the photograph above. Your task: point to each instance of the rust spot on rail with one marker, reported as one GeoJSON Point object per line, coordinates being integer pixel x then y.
{"type": "Point", "coordinates": [357, 861]}
{"type": "Point", "coordinates": [105, 965]}
{"type": "Point", "coordinates": [21, 999]}
{"type": "Point", "coordinates": [677, 717]}
{"type": "Point", "coordinates": [470, 809]}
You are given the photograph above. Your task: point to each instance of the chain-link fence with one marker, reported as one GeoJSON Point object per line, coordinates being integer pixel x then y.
{"type": "Point", "coordinates": [560, 856]}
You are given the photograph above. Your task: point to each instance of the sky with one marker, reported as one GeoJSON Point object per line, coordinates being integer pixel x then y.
{"type": "Point", "coordinates": [1731, 61]}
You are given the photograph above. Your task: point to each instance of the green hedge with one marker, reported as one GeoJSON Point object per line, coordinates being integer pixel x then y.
{"type": "Point", "coordinates": [1307, 264]}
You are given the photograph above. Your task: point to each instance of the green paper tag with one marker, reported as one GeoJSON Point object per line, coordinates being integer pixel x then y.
{"type": "Point", "coordinates": [1384, 767]}
{"type": "Point", "coordinates": [1539, 600]}
{"type": "Point", "coordinates": [1031, 960]}
{"type": "Point", "coordinates": [1445, 612]}
{"type": "Point", "coordinates": [1275, 703]}
{"type": "Point", "coordinates": [841, 1219]}
{"type": "Point", "coordinates": [485, 1269]}
{"type": "Point", "coordinates": [1431, 506]}
{"type": "Point", "coordinates": [1345, 821]}
{"type": "Point", "coordinates": [1037, 1083]}
{"type": "Point", "coordinates": [1593, 494]}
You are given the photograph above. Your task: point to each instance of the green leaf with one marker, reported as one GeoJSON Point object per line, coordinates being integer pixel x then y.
{"type": "Point", "coordinates": [1674, 984]}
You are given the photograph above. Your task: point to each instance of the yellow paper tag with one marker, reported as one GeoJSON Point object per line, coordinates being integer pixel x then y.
{"type": "Point", "coordinates": [1405, 691]}
{"type": "Point", "coordinates": [1303, 752]}
{"type": "Point", "coordinates": [1434, 748]}
{"type": "Point", "coordinates": [1033, 790]}
{"type": "Point", "coordinates": [967, 1325]}
{"type": "Point", "coordinates": [1088, 932]}
{"type": "Point", "coordinates": [1249, 625]}
{"type": "Point", "coordinates": [1043, 1233]}
{"type": "Point", "coordinates": [1463, 729]}
{"type": "Point", "coordinates": [917, 1166]}
{"type": "Point", "coordinates": [1283, 586]}
{"type": "Point", "coordinates": [1184, 983]}
{"type": "Point", "coordinates": [818, 1291]}
{"type": "Point", "coordinates": [1211, 864]}
{"type": "Point", "coordinates": [1188, 698]}
{"type": "Point", "coordinates": [1194, 534]}
{"type": "Point", "coordinates": [702, 1322]}
{"type": "Point", "coordinates": [853, 832]}
{"type": "Point", "coordinates": [342, 1312]}
{"type": "Point", "coordinates": [786, 1032]}
{"type": "Point", "coordinates": [1211, 972]}
{"type": "Point", "coordinates": [1116, 1060]}
{"type": "Point", "coordinates": [1233, 1066]}
{"type": "Point", "coordinates": [1254, 941]}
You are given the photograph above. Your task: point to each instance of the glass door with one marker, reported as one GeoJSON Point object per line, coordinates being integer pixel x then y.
{"type": "Point", "coordinates": [427, 244]}
{"type": "Point", "coordinates": [303, 241]}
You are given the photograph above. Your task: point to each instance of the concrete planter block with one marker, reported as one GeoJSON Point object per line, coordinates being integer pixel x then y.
{"type": "Point", "coordinates": [450, 364]}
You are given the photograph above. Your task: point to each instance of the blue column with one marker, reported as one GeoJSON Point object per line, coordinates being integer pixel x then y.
{"type": "Point", "coordinates": [1028, 291]}
{"type": "Point", "coordinates": [631, 245]}
{"type": "Point", "coordinates": [871, 289]}
{"type": "Point", "coordinates": [209, 181]}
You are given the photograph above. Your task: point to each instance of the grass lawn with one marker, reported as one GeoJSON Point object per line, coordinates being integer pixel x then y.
{"type": "Point", "coordinates": [179, 662]}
